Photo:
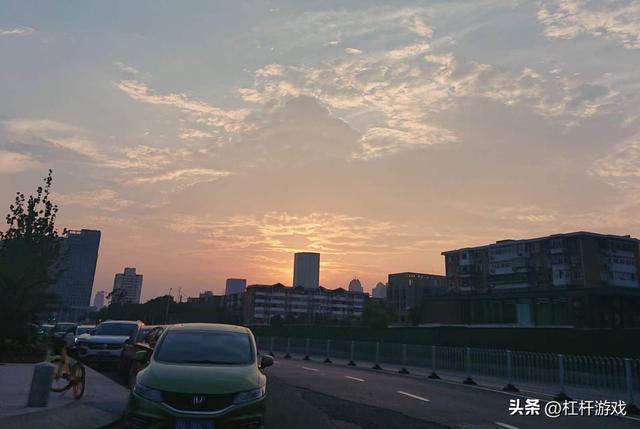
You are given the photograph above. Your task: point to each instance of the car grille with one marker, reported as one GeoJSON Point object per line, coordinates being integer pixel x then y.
{"type": "Point", "coordinates": [100, 346]}
{"type": "Point", "coordinates": [195, 402]}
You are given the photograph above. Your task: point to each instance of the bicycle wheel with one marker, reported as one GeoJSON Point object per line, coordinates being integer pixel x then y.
{"type": "Point", "coordinates": [61, 376]}
{"type": "Point", "coordinates": [77, 380]}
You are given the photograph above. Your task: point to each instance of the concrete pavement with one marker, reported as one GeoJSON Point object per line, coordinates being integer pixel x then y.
{"type": "Point", "coordinates": [102, 404]}
{"type": "Point", "coordinates": [428, 401]}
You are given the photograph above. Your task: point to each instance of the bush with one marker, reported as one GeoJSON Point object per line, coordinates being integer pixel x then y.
{"type": "Point", "coordinates": [20, 352]}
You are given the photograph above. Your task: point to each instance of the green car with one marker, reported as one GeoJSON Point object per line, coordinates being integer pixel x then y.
{"type": "Point", "coordinates": [200, 376]}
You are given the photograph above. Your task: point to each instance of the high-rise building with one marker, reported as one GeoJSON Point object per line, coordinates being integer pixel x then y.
{"type": "Point", "coordinates": [78, 260]}
{"type": "Point", "coordinates": [379, 291]}
{"type": "Point", "coordinates": [306, 270]}
{"type": "Point", "coordinates": [98, 300]}
{"type": "Point", "coordinates": [234, 286]}
{"type": "Point", "coordinates": [355, 286]}
{"type": "Point", "coordinates": [127, 287]}
{"type": "Point", "coordinates": [406, 290]}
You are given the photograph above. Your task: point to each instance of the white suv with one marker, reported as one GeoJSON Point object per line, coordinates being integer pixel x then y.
{"type": "Point", "coordinates": [104, 343]}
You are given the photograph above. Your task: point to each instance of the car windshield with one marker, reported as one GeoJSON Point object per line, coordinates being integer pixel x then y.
{"type": "Point", "coordinates": [119, 329]}
{"type": "Point", "coordinates": [83, 330]}
{"type": "Point", "coordinates": [61, 327]}
{"type": "Point", "coordinates": [206, 347]}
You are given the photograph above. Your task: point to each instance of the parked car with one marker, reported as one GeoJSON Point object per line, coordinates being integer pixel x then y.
{"type": "Point", "coordinates": [61, 329]}
{"type": "Point", "coordinates": [201, 376]}
{"type": "Point", "coordinates": [146, 339]}
{"type": "Point", "coordinates": [104, 343]}
{"type": "Point", "coordinates": [84, 329]}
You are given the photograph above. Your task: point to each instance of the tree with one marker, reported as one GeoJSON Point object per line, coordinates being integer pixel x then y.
{"type": "Point", "coordinates": [375, 315]}
{"type": "Point", "coordinates": [29, 260]}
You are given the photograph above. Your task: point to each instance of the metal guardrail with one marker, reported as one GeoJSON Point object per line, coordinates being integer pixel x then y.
{"type": "Point", "coordinates": [608, 377]}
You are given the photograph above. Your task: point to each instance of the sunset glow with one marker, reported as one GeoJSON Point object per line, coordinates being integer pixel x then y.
{"type": "Point", "coordinates": [215, 141]}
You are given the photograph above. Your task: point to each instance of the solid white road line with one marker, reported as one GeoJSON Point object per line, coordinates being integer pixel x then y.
{"type": "Point", "coordinates": [506, 426]}
{"type": "Point", "coordinates": [310, 369]}
{"type": "Point", "coordinates": [413, 396]}
{"type": "Point", "coordinates": [353, 378]}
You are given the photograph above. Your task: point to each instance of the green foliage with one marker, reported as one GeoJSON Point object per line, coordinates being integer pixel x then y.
{"type": "Point", "coordinates": [155, 312]}
{"type": "Point", "coordinates": [21, 352]}
{"type": "Point", "coordinates": [29, 261]}
{"type": "Point", "coordinates": [375, 315]}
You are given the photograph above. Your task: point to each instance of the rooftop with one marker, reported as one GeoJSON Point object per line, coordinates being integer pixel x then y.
{"type": "Point", "coordinates": [528, 240]}
{"type": "Point", "coordinates": [207, 327]}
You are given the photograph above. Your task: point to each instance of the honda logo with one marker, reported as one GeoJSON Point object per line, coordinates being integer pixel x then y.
{"type": "Point", "coordinates": [198, 400]}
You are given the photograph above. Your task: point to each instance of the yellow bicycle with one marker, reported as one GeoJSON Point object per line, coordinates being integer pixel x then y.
{"type": "Point", "coordinates": [68, 375]}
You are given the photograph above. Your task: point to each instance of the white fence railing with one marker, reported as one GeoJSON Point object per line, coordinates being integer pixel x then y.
{"type": "Point", "coordinates": [592, 377]}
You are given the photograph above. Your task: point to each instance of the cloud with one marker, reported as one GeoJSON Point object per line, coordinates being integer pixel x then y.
{"type": "Point", "coordinates": [105, 199]}
{"type": "Point", "coordinates": [612, 20]}
{"type": "Point", "coordinates": [17, 31]}
{"type": "Point", "coordinates": [127, 68]}
{"type": "Point", "coordinates": [231, 121]}
{"type": "Point", "coordinates": [54, 134]}
{"type": "Point", "coordinates": [622, 163]}
{"type": "Point", "coordinates": [348, 243]}
{"type": "Point", "coordinates": [187, 134]}
{"type": "Point", "coordinates": [183, 178]}
{"type": "Point", "coordinates": [393, 96]}
{"type": "Point", "coordinates": [143, 157]}
{"type": "Point", "coordinates": [12, 162]}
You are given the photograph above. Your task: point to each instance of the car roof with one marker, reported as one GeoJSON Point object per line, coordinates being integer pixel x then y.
{"type": "Point", "coordinates": [86, 326]}
{"type": "Point", "coordinates": [207, 327]}
{"type": "Point", "coordinates": [133, 322]}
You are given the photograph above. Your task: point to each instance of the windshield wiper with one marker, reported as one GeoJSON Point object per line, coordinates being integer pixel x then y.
{"type": "Point", "coordinates": [213, 362]}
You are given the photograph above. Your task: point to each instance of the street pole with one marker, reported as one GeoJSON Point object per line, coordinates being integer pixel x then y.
{"type": "Point", "coordinates": [166, 312]}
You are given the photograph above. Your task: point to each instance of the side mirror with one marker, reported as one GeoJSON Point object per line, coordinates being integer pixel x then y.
{"type": "Point", "coordinates": [92, 331]}
{"type": "Point", "coordinates": [265, 361]}
{"type": "Point", "coordinates": [141, 356]}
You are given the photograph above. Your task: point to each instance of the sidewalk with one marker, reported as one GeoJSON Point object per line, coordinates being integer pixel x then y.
{"type": "Point", "coordinates": [103, 402]}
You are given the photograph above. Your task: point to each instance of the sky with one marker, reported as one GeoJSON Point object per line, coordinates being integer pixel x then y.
{"type": "Point", "coordinates": [209, 140]}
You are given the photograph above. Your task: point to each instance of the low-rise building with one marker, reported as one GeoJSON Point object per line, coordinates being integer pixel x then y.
{"type": "Point", "coordinates": [263, 302]}
{"type": "Point", "coordinates": [406, 290]}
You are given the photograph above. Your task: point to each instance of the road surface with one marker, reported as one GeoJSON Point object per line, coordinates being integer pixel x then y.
{"type": "Point", "coordinates": [427, 403]}
{"type": "Point", "coordinates": [314, 395]}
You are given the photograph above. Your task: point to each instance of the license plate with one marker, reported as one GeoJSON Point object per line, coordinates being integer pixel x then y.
{"type": "Point", "coordinates": [194, 424]}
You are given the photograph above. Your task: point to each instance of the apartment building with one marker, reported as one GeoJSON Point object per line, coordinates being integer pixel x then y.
{"type": "Point", "coordinates": [572, 260]}
{"type": "Point", "coordinates": [263, 302]}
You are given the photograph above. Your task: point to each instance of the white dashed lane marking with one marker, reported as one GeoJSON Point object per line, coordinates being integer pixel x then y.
{"type": "Point", "coordinates": [411, 395]}
{"type": "Point", "coordinates": [309, 369]}
{"type": "Point", "coordinates": [506, 426]}
{"type": "Point", "coordinates": [353, 378]}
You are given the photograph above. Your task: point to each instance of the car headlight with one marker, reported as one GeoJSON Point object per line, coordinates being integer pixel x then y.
{"type": "Point", "coordinates": [250, 395]}
{"type": "Point", "coordinates": [148, 393]}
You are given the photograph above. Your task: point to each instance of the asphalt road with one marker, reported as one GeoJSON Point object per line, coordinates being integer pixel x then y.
{"type": "Point", "coordinates": [313, 395]}
{"type": "Point", "coordinates": [429, 403]}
